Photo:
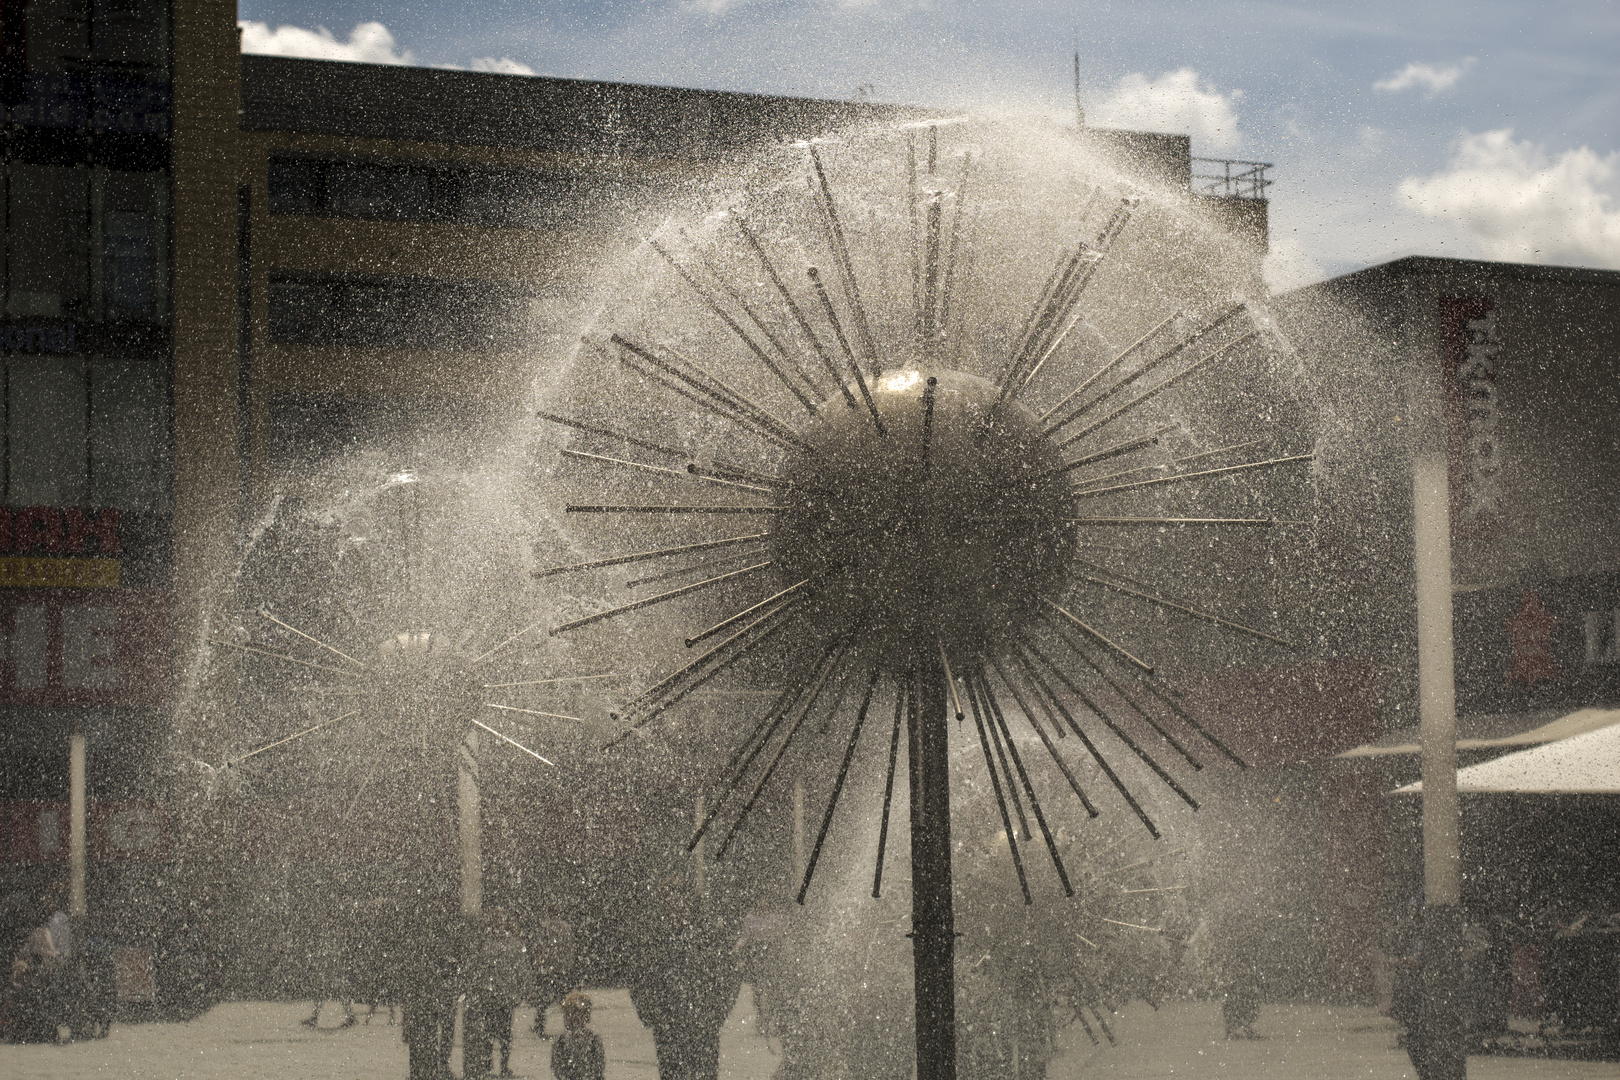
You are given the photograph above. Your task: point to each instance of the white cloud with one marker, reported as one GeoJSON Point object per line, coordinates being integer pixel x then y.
{"type": "Point", "coordinates": [1177, 101]}
{"type": "Point", "coordinates": [1518, 203]}
{"type": "Point", "coordinates": [1431, 78]}
{"type": "Point", "coordinates": [369, 43]}
{"type": "Point", "coordinates": [1288, 264]}
{"type": "Point", "coordinates": [504, 66]}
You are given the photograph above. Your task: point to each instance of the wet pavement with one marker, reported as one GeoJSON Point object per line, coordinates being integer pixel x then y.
{"type": "Point", "coordinates": [264, 1041]}
{"type": "Point", "coordinates": [1297, 1042]}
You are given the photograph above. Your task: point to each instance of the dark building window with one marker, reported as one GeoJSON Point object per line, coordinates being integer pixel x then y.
{"type": "Point", "coordinates": [86, 433]}
{"type": "Point", "coordinates": [391, 189]}
{"type": "Point", "coordinates": [85, 243]}
{"type": "Point", "coordinates": [398, 312]}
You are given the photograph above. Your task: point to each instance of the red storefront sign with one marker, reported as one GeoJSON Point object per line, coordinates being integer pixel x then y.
{"type": "Point", "coordinates": [36, 832]}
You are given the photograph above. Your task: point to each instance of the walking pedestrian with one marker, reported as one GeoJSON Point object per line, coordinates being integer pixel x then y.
{"type": "Point", "coordinates": [577, 1054]}
{"type": "Point", "coordinates": [503, 980]}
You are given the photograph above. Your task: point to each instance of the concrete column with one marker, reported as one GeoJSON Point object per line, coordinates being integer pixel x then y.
{"type": "Point", "coordinates": [1441, 1037]}
{"type": "Point", "coordinates": [1437, 688]}
{"type": "Point", "coordinates": [76, 827]}
{"type": "Point", "coordinates": [469, 814]}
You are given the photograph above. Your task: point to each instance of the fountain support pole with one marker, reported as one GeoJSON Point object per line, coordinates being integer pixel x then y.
{"type": "Point", "coordinates": [933, 929]}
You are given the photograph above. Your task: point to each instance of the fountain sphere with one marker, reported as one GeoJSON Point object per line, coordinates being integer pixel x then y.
{"type": "Point", "coordinates": [944, 525]}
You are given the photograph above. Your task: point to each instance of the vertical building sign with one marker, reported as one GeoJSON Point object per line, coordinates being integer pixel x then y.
{"type": "Point", "coordinates": [1469, 352]}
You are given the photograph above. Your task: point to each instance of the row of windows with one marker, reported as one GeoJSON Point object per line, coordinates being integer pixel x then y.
{"type": "Point", "coordinates": [398, 312]}
{"type": "Point", "coordinates": [69, 37]}
{"type": "Point", "coordinates": [409, 190]}
{"type": "Point", "coordinates": [86, 433]}
{"type": "Point", "coordinates": [84, 243]}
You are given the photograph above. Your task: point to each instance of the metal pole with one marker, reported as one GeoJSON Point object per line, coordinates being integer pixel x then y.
{"type": "Point", "coordinates": [76, 831]}
{"type": "Point", "coordinates": [469, 818]}
{"type": "Point", "coordinates": [1441, 1038]}
{"type": "Point", "coordinates": [933, 930]}
{"type": "Point", "coordinates": [699, 878]}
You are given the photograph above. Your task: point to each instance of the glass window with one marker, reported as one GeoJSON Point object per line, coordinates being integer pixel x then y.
{"type": "Point", "coordinates": [398, 189]}
{"type": "Point", "coordinates": [132, 35]}
{"type": "Point", "coordinates": [48, 436]}
{"type": "Point", "coordinates": [297, 186]}
{"type": "Point", "coordinates": [129, 435]}
{"type": "Point", "coordinates": [133, 271]}
{"type": "Point", "coordinates": [400, 313]}
{"type": "Point", "coordinates": [47, 242]}
{"type": "Point", "coordinates": [58, 36]}
{"type": "Point", "coordinates": [301, 312]}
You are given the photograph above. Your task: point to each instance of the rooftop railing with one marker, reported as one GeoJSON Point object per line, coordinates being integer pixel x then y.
{"type": "Point", "coordinates": [1235, 180]}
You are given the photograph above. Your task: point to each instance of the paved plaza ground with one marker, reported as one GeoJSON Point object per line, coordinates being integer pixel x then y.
{"type": "Point", "coordinates": [264, 1041]}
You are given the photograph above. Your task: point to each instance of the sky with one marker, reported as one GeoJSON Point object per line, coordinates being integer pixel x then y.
{"type": "Point", "coordinates": [1471, 130]}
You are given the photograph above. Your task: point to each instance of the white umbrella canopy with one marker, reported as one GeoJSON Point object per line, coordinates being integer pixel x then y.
{"type": "Point", "coordinates": [1585, 764]}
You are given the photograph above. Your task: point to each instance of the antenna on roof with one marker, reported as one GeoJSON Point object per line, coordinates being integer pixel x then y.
{"type": "Point", "coordinates": [1079, 110]}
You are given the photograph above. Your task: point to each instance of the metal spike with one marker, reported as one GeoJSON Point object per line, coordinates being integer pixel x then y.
{"type": "Point", "coordinates": [668, 508]}
{"type": "Point", "coordinates": [1001, 805]}
{"type": "Point", "coordinates": [838, 787]}
{"type": "Point", "coordinates": [724, 409]}
{"type": "Point", "coordinates": [1131, 702]}
{"type": "Point", "coordinates": [735, 327]}
{"type": "Point", "coordinates": [1120, 733]}
{"type": "Point", "coordinates": [1099, 636]}
{"type": "Point", "coordinates": [663, 696]}
{"type": "Point", "coordinates": [659, 599]}
{"type": "Point", "coordinates": [607, 432]}
{"type": "Point", "coordinates": [1051, 749]}
{"type": "Point", "coordinates": [232, 762]}
{"type": "Point", "coordinates": [724, 625]}
{"type": "Point", "coordinates": [781, 750]}
{"type": "Point", "coordinates": [1149, 394]}
{"type": "Point", "coordinates": [785, 703]}
{"type": "Point", "coordinates": [1186, 610]}
{"type": "Point", "coordinates": [888, 789]}
{"type": "Point", "coordinates": [679, 474]}
{"type": "Point", "coordinates": [799, 317]}
{"type": "Point", "coordinates": [854, 365]}
{"type": "Point", "coordinates": [264, 613]}
{"type": "Point", "coordinates": [1007, 774]}
{"type": "Point", "coordinates": [532, 712]}
{"type": "Point", "coordinates": [1091, 748]}
{"type": "Point", "coordinates": [280, 656]}
{"type": "Point", "coordinates": [1119, 358]}
{"type": "Point", "coordinates": [841, 251]}
{"type": "Point", "coordinates": [727, 559]}
{"type": "Point", "coordinates": [1184, 477]}
{"type": "Point", "coordinates": [513, 742]}
{"type": "Point", "coordinates": [999, 721]}
{"type": "Point", "coordinates": [659, 553]}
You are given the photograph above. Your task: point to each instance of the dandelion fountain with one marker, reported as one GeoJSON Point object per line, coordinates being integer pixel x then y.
{"type": "Point", "coordinates": [857, 356]}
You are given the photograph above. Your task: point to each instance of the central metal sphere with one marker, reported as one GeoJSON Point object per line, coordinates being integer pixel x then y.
{"type": "Point", "coordinates": [945, 526]}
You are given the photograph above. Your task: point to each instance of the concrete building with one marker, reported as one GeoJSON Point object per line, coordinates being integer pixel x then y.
{"type": "Point", "coordinates": [1528, 361]}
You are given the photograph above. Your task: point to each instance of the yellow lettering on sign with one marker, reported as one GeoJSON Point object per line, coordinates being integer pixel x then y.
{"type": "Point", "coordinates": [23, 573]}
